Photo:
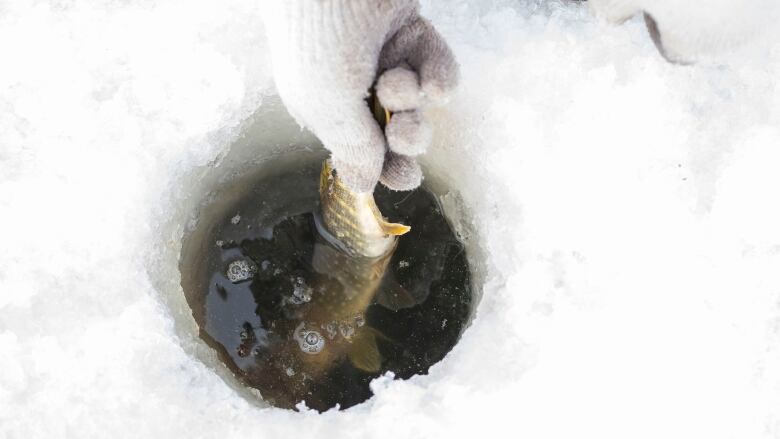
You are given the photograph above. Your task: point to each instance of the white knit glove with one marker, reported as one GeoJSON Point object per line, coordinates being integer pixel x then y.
{"type": "Point", "coordinates": [326, 56]}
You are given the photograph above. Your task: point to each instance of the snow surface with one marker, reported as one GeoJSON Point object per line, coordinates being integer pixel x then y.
{"type": "Point", "coordinates": [621, 214]}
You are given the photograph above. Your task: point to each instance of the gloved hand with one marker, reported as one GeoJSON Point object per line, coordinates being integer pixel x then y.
{"type": "Point", "coordinates": [326, 56]}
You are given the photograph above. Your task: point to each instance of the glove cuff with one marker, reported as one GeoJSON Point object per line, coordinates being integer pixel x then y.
{"type": "Point", "coordinates": [309, 25]}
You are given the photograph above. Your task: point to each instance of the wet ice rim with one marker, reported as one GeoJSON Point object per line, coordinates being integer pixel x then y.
{"type": "Point", "coordinates": [271, 142]}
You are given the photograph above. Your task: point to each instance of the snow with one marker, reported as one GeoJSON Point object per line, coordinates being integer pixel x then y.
{"type": "Point", "coordinates": [619, 211]}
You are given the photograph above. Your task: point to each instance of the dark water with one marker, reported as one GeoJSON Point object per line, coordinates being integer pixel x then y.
{"type": "Point", "coordinates": [282, 323]}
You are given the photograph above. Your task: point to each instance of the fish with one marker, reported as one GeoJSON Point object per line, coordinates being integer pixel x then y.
{"type": "Point", "coordinates": [352, 219]}
{"type": "Point", "coordinates": [356, 246]}
{"type": "Point", "coordinates": [325, 320]}
{"type": "Point", "coordinates": [352, 255]}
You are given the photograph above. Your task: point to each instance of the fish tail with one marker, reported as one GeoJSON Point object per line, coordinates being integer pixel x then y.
{"type": "Point", "coordinates": [364, 352]}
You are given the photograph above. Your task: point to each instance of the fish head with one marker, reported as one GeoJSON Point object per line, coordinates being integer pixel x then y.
{"type": "Point", "coordinates": [351, 220]}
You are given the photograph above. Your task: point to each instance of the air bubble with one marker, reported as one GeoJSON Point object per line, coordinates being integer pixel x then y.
{"type": "Point", "coordinates": [311, 342]}
{"type": "Point", "coordinates": [301, 292]}
{"type": "Point", "coordinates": [332, 329]}
{"type": "Point", "coordinates": [241, 270]}
{"type": "Point", "coordinates": [346, 330]}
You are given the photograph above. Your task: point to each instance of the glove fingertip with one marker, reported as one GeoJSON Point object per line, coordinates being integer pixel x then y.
{"type": "Point", "coordinates": [408, 133]}
{"type": "Point", "coordinates": [398, 89]}
{"type": "Point", "coordinates": [401, 173]}
{"type": "Point", "coordinates": [439, 82]}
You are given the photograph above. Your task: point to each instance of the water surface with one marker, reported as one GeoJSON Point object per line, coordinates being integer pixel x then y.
{"type": "Point", "coordinates": [260, 301]}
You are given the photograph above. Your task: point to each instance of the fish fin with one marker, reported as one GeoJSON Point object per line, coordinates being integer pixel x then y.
{"type": "Point", "coordinates": [394, 229]}
{"type": "Point", "coordinates": [364, 353]}
{"type": "Point", "coordinates": [393, 296]}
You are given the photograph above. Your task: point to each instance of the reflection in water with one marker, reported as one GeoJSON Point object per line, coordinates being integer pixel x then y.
{"type": "Point", "coordinates": [299, 320]}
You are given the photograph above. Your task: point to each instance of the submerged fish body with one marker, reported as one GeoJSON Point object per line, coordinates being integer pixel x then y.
{"type": "Point", "coordinates": [352, 257]}
{"type": "Point", "coordinates": [334, 320]}
{"type": "Point", "coordinates": [356, 247]}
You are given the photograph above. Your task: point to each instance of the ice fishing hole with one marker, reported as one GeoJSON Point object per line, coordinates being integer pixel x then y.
{"type": "Point", "coordinates": [252, 285]}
